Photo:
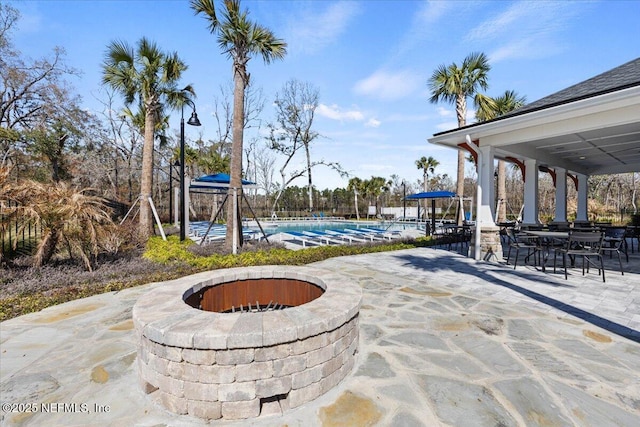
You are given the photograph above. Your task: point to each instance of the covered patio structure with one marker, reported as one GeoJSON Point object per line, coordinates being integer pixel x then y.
{"type": "Point", "coordinates": [590, 128]}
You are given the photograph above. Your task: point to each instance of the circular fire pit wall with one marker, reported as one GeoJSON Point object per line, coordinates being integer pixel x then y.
{"type": "Point", "coordinates": [245, 342]}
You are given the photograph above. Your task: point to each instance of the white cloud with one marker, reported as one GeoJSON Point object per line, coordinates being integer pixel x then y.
{"type": "Point", "coordinates": [432, 11]}
{"type": "Point", "coordinates": [423, 24]}
{"type": "Point", "coordinates": [313, 30]}
{"type": "Point", "coordinates": [372, 123]}
{"type": "Point", "coordinates": [524, 30]}
{"type": "Point", "coordinates": [387, 85]}
{"type": "Point", "coordinates": [528, 48]}
{"type": "Point", "coordinates": [335, 113]}
{"type": "Point", "coordinates": [445, 112]}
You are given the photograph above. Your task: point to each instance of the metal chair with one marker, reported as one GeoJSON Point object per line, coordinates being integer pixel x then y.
{"type": "Point", "coordinates": [587, 245]}
{"type": "Point", "coordinates": [530, 243]}
{"type": "Point", "coordinates": [614, 241]}
{"type": "Point", "coordinates": [633, 233]}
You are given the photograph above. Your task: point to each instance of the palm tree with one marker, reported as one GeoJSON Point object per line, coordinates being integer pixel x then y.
{"type": "Point", "coordinates": [374, 187]}
{"type": "Point", "coordinates": [240, 39]}
{"type": "Point", "coordinates": [150, 77]}
{"type": "Point", "coordinates": [427, 165]}
{"type": "Point", "coordinates": [355, 184]}
{"type": "Point", "coordinates": [488, 108]}
{"type": "Point", "coordinates": [455, 84]}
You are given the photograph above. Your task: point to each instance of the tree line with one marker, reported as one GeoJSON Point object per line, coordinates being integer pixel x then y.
{"type": "Point", "coordinates": [127, 152]}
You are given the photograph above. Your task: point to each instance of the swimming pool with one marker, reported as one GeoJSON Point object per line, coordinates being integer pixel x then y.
{"type": "Point", "coordinates": [283, 227]}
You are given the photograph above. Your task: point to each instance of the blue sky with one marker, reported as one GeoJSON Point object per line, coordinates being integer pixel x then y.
{"type": "Point", "coordinates": [369, 60]}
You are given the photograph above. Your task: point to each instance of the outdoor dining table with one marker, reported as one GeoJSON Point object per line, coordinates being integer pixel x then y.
{"type": "Point", "coordinates": [546, 239]}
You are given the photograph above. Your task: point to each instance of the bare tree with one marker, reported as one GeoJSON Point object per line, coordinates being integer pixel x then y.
{"type": "Point", "coordinates": [122, 150]}
{"type": "Point", "coordinates": [265, 167]}
{"type": "Point", "coordinates": [295, 109]}
{"type": "Point", "coordinates": [33, 95]}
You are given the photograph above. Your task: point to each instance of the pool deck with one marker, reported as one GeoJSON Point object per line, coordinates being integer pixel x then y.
{"type": "Point", "coordinates": [444, 340]}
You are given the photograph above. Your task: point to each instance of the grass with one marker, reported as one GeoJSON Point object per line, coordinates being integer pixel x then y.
{"type": "Point", "coordinates": [26, 290]}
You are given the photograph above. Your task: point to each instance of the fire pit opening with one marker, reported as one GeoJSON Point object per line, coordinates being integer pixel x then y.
{"type": "Point", "coordinates": [253, 295]}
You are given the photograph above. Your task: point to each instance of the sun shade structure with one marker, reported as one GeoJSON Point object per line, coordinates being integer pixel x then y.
{"type": "Point", "coordinates": [218, 181]}
{"type": "Point", "coordinates": [219, 184]}
{"type": "Point", "coordinates": [431, 195]}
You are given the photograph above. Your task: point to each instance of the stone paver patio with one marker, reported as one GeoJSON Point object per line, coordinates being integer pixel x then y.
{"type": "Point", "coordinates": [443, 341]}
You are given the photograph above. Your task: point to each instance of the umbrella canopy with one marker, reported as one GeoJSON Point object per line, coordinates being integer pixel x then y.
{"type": "Point", "coordinates": [218, 181]}
{"type": "Point", "coordinates": [431, 195]}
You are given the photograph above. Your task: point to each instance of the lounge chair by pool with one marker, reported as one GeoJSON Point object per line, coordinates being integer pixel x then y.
{"type": "Point", "coordinates": [304, 238]}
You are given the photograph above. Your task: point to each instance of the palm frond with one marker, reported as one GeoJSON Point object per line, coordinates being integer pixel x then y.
{"type": "Point", "coordinates": [206, 7]}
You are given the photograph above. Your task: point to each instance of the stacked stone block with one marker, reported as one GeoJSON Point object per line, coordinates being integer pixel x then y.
{"type": "Point", "coordinates": [254, 363]}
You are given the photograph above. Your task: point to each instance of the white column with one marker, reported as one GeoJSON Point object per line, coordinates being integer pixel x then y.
{"type": "Point", "coordinates": [561, 195]}
{"type": "Point", "coordinates": [486, 181]}
{"type": "Point", "coordinates": [582, 214]}
{"type": "Point", "coordinates": [530, 214]}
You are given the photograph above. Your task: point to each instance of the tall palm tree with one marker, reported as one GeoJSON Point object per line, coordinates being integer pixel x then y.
{"type": "Point", "coordinates": [149, 77]}
{"type": "Point", "coordinates": [374, 187]}
{"type": "Point", "coordinates": [455, 84]}
{"type": "Point", "coordinates": [488, 108]}
{"type": "Point", "coordinates": [240, 39]}
{"type": "Point", "coordinates": [355, 184]}
{"type": "Point", "coordinates": [426, 165]}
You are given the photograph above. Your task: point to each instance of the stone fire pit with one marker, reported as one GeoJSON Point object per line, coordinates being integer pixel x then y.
{"type": "Point", "coordinates": [244, 342]}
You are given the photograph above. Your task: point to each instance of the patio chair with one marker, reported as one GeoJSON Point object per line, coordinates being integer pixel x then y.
{"type": "Point", "coordinates": [614, 241]}
{"type": "Point", "coordinates": [521, 242]}
{"type": "Point", "coordinates": [364, 234]}
{"type": "Point", "coordinates": [587, 245]}
{"type": "Point", "coordinates": [327, 238]}
{"type": "Point", "coordinates": [633, 233]}
{"type": "Point", "coordinates": [346, 236]}
{"type": "Point", "coordinates": [383, 232]}
{"type": "Point", "coordinates": [305, 239]}
{"type": "Point", "coordinates": [458, 237]}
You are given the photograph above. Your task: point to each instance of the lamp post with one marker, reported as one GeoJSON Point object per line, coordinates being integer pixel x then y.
{"type": "Point", "coordinates": [193, 121]}
{"type": "Point", "coordinates": [404, 201]}
{"type": "Point", "coordinates": [171, 166]}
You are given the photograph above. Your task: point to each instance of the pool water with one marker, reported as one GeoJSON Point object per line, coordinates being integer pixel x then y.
{"type": "Point", "coordinates": [270, 228]}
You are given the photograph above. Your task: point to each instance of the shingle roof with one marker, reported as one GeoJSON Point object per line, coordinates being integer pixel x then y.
{"type": "Point", "coordinates": [624, 76]}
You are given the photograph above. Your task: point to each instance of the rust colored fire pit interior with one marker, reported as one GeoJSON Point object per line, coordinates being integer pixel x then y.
{"type": "Point", "coordinates": [254, 295]}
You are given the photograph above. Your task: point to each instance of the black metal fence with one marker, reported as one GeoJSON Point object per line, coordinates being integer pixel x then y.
{"type": "Point", "coordinates": [12, 234]}
{"type": "Point", "coordinates": [24, 238]}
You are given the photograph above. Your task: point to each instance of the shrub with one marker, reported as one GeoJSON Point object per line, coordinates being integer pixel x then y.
{"type": "Point", "coordinates": [24, 289]}
{"type": "Point", "coordinates": [172, 250]}
{"type": "Point", "coordinates": [65, 215]}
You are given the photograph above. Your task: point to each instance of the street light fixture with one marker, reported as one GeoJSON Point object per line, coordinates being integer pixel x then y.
{"type": "Point", "coordinates": [404, 201]}
{"type": "Point", "coordinates": [193, 121]}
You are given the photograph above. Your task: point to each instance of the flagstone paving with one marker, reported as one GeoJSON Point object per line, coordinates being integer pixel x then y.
{"type": "Point", "coordinates": [444, 340]}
